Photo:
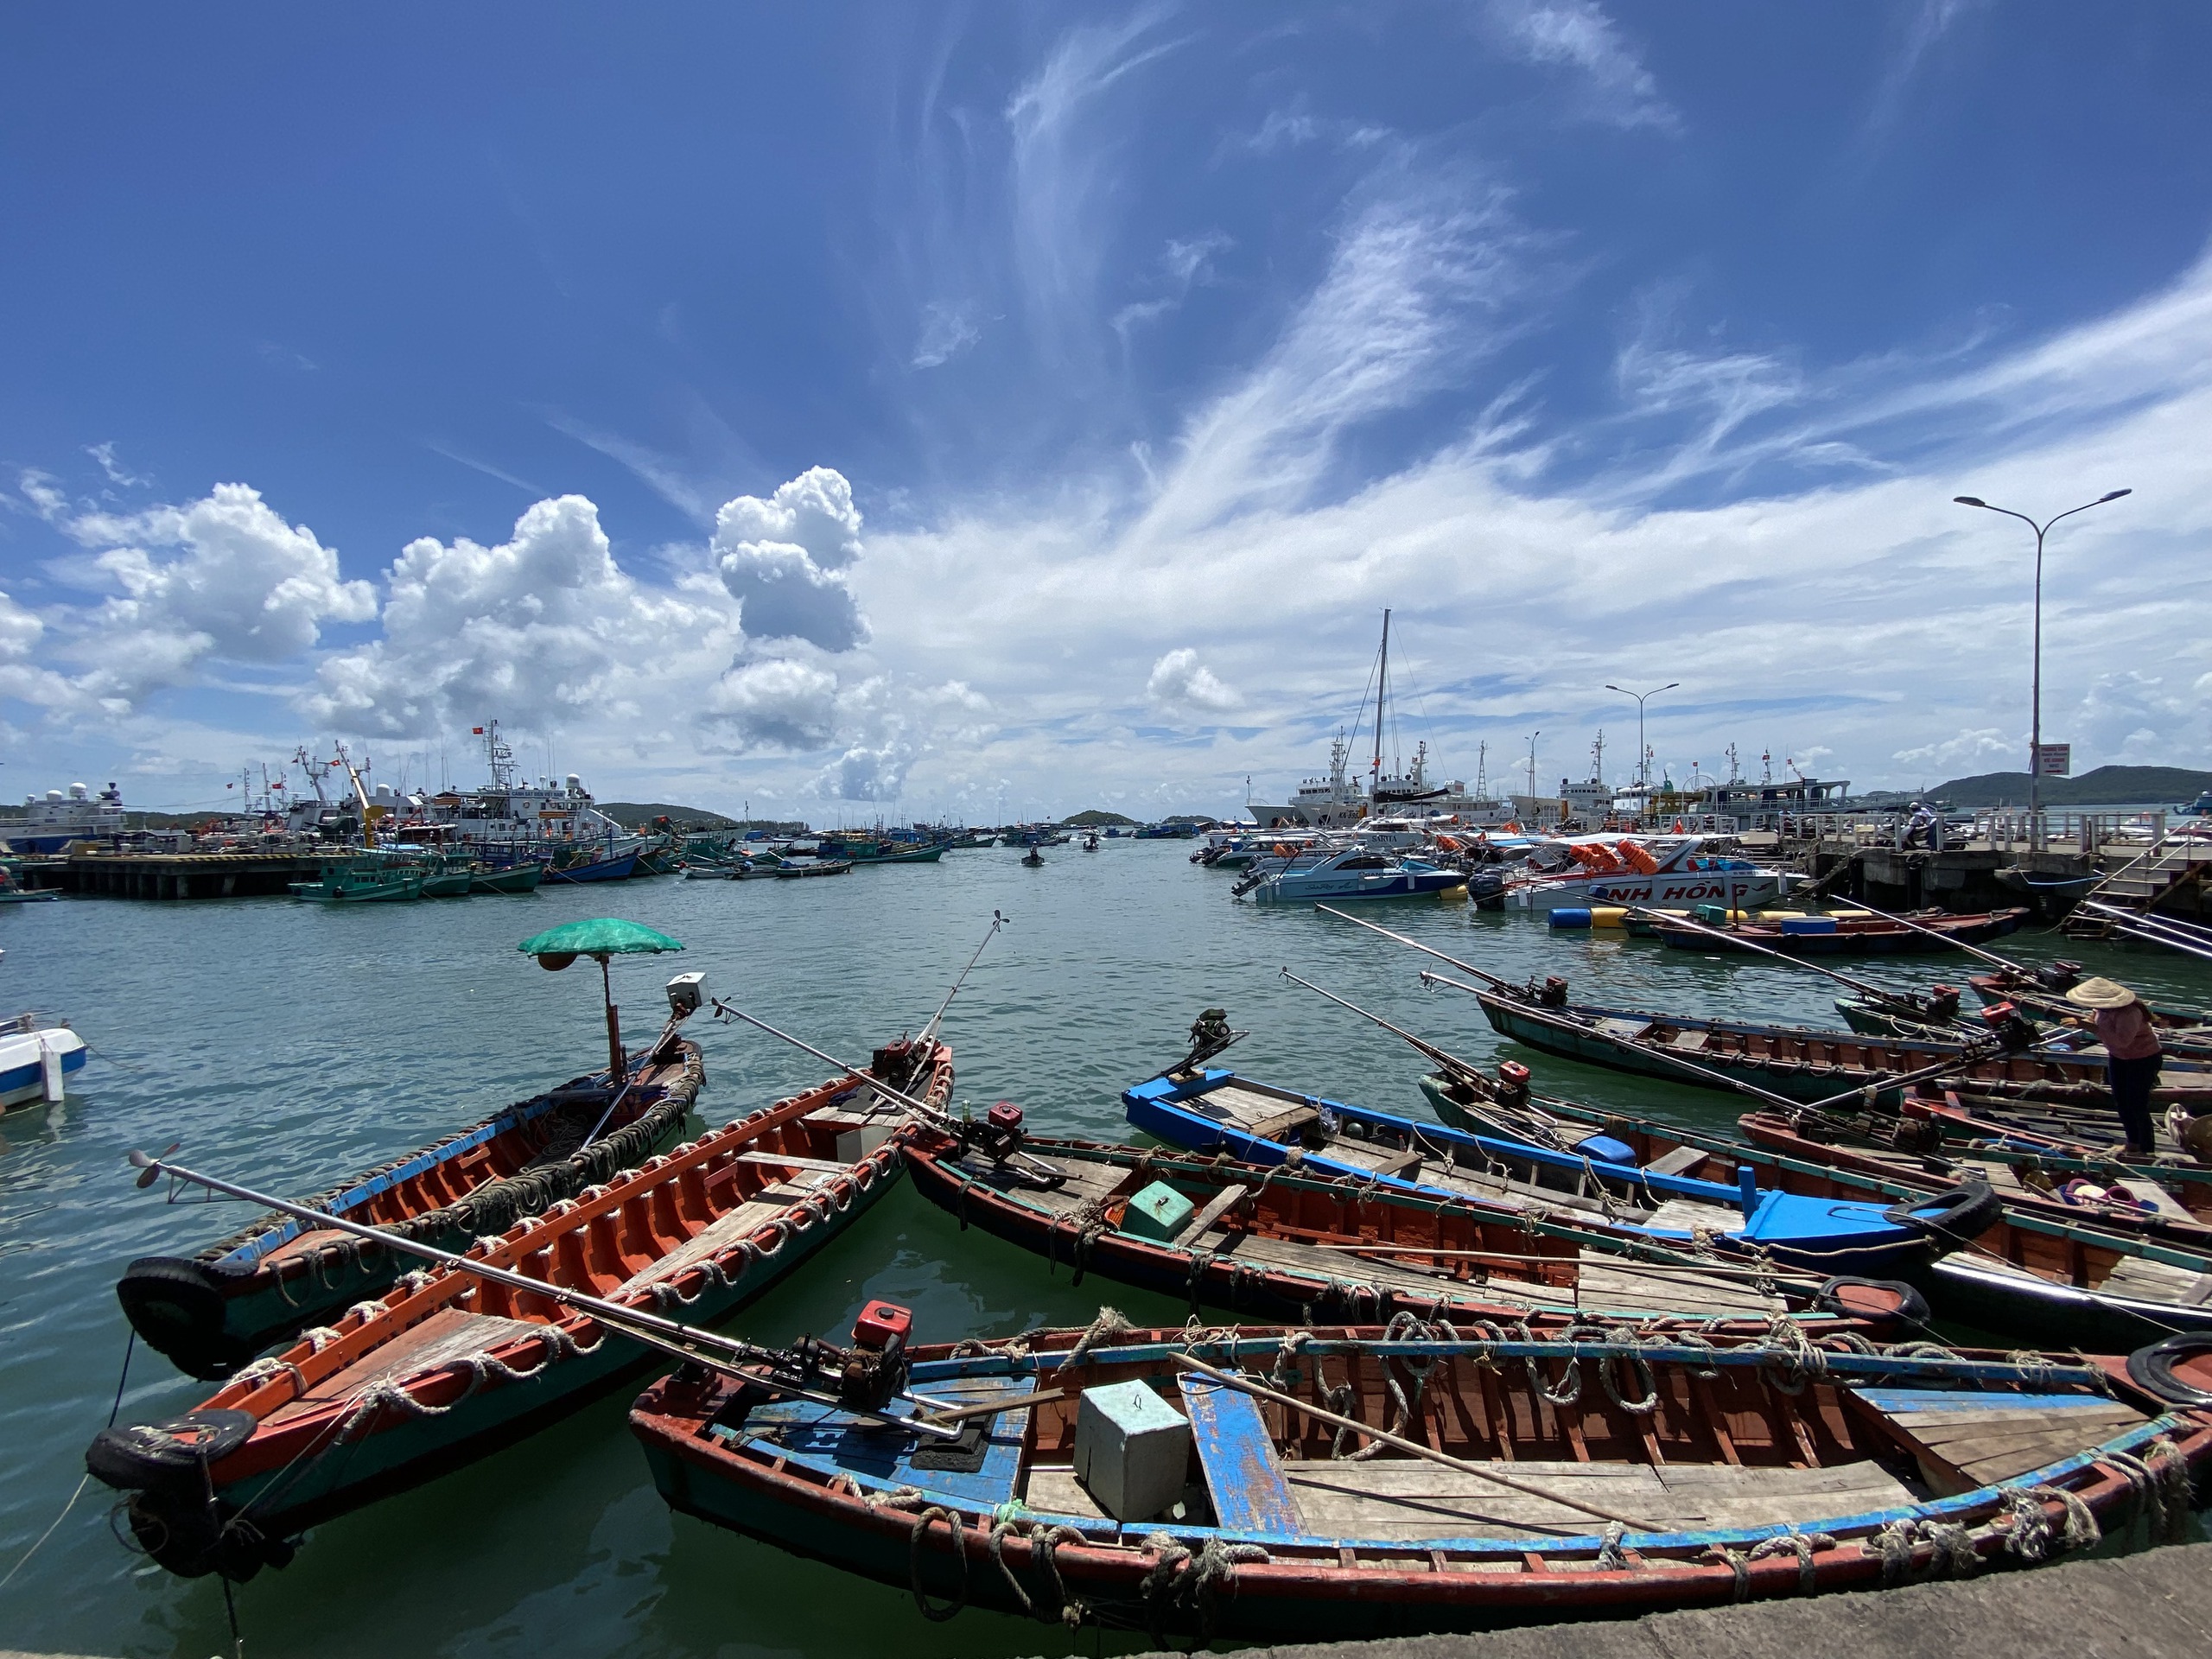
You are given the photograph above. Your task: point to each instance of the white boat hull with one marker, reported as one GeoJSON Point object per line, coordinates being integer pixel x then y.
{"type": "Point", "coordinates": [1675, 889]}
{"type": "Point", "coordinates": [35, 1065]}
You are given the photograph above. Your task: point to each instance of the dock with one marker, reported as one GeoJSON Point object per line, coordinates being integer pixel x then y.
{"type": "Point", "coordinates": [182, 875]}
{"type": "Point", "coordinates": [2154, 1605]}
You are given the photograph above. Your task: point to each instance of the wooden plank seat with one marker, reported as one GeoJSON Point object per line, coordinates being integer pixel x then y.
{"type": "Point", "coordinates": [1411, 1501]}
{"type": "Point", "coordinates": [1679, 1161]}
{"type": "Point", "coordinates": [1237, 1453]}
{"type": "Point", "coordinates": [1965, 1439]}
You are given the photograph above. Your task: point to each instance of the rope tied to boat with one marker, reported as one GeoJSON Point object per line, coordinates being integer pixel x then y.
{"type": "Point", "coordinates": [1283, 1374]}
{"type": "Point", "coordinates": [1738, 1563]}
{"type": "Point", "coordinates": [1109, 1323]}
{"type": "Point", "coordinates": [263, 1370]}
{"type": "Point", "coordinates": [2030, 1534]}
{"type": "Point", "coordinates": [1609, 1367]}
{"type": "Point", "coordinates": [1804, 1543]}
{"type": "Point", "coordinates": [2159, 1482]}
{"type": "Point", "coordinates": [951, 1519]}
{"type": "Point", "coordinates": [410, 1283]}
{"type": "Point", "coordinates": [1191, 1582]}
{"type": "Point", "coordinates": [1610, 1557]}
{"type": "Point", "coordinates": [1044, 1539]}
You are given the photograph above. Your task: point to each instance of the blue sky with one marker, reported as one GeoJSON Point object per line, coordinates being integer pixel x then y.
{"type": "Point", "coordinates": [875, 408]}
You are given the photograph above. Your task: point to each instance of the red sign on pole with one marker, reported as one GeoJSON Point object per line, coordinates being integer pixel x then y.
{"type": "Point", "coordinates": [2054, 760]}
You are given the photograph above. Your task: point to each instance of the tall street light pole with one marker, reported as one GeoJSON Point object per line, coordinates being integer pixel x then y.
{"type": "Point", "coordinates": [2034, 694]}
{"type": "Point", "coordinates": [1643, 751]}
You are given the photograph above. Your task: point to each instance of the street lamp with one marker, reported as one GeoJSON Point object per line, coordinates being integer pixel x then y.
{"type": "Point", "coordinates": [1643, 750]}
{"type": "Point", "coordinates": [2035, 696]}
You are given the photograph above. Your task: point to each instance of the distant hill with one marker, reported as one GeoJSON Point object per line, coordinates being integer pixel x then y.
{"type": "Point", "coordinates": [632, 815]}
{"type": "Point", "coordinates": [1093, 819]}
{"type": "Point", "coordinates": [2106, 787]}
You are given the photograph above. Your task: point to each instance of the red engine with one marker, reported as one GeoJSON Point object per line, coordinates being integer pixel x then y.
{"type": "Point", "coordinates": [881, 1324]}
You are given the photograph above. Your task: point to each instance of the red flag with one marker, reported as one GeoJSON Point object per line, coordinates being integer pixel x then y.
{"type": "Point", "coordinates": [476, 731]}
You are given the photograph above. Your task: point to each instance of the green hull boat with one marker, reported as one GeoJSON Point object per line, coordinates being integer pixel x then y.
{"type": "Point", "coordinates": [361, 886]}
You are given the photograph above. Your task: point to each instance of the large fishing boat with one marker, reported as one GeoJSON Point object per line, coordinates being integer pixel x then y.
{"type": "Point", "coordinates": [512, 820]}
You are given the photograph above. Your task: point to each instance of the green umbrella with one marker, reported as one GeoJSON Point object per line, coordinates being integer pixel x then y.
{"type": "Point", "coordinates": [601, 937]}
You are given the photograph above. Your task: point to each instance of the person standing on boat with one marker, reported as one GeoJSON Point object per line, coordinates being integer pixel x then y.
{"type": "Point", "coordinates": [2132, 1051]}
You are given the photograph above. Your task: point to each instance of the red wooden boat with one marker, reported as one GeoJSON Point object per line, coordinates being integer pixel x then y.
{"type": "Point", "coordinates": [1851, 935]}
{"type": "Point", "coordinates": [211, 1312]}
{"type": "Point", "coordinates": [1273, 1243]}
{"type": "Point", "coordinates": [451, 1367]}
{"type": "Point", "coordinates": [1511, 1480]}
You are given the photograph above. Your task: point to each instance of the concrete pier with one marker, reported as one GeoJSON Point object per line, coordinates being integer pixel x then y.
{"type": "Point", "coordinates": [2154, 1605]}
{"type": "Point", "coordinates": [184, 876]}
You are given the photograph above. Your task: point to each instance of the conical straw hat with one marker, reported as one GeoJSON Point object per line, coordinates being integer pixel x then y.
{"type": "Point", "coordinates": [2101, 994]}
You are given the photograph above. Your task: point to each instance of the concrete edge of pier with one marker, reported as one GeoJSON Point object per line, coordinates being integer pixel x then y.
{"type": "Point", "coordinates": [2153, 1605]}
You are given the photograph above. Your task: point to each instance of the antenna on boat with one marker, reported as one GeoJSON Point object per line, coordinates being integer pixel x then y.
{"type": "Point", "coordinates": [1381, 681]}
{"type": "Point", "coordinates": [999, 920]}
{"type": "Point", "coordinates": [1598, 758]}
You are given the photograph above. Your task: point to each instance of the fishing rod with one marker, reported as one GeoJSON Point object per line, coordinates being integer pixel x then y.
{"type": "Point", "coordinates": [1864, 988]}
{"type": "Point", "coordinates": [998, 921]}
{"type": "Point", "coordinates": [1490, 979]}
{"type": "Point", "coordinates": [935, 1114]}
{"type": "Point", "coordinates": [728, 1355]}
{"type": "Point", "coordinates": [1590, 1028]}
{"type": "Point", "coordinates": [1541, 1124]}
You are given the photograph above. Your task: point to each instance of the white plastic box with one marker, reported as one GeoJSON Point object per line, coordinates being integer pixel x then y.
{"type": "Point", "coordinates": [1132, 1450]}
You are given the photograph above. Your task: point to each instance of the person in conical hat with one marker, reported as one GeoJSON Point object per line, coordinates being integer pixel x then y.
{"type": "Point", "coordinates": [2133, 1055]}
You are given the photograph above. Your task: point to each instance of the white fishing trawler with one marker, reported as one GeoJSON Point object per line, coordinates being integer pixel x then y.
{"type": "Point", "coordinates": [50, 824]}
{"type": "Point", "coordinates": [511, 816]}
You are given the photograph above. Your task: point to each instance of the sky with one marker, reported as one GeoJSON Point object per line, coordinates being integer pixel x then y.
{"type": "Point", "coordinates": [976, 411]}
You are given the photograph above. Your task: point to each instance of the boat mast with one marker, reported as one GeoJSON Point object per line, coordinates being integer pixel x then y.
{"type": "Point", "coordinates": [1382, 680]}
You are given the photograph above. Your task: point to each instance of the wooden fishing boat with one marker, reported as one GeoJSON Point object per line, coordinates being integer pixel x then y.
{"type": "Point", "coordinates": [1274, 1244]}
{"type": "Point", "coordinates": [1213, 1110]}
{"type": "Point", "coordinates": [2180, 1030]}
{"type": "Point", "coordinates": [881, 852]}
{"type": "Point", "coordinates": [381, 884]}
{"type": "Point", "coordinates": [516, 878]}
{"type": "Point", "coordinates": [618, 866]}
{"type": "Point", "coordinates": [794, 868]}
{"type": "Point", "coordinates": [1516, 1481]}
{"type": "Point", "coordinates": [1849, 935]}
{"type": "Point", "coordinates": [2024, 1266]}
{"type": "Point", "coordinates": [449, 881]}
{"type": "Point", "coordinates": [1802, 1062]}
{"type": "Point", "coordinates": [448, 1366]}
{"type": "Point", "coordinates": [211, 1312]}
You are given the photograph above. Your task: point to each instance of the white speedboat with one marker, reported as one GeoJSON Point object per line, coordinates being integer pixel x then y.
{"type": "Point", "coordinates": [1667, 871]}
{"type": "Point", "coordinates": [37, 1056]}
{"type": "Point", "coordinates": [1345, 873]}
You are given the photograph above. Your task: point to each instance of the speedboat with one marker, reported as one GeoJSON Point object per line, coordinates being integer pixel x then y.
{"type": "Point", "coordinates": [37, 1056]}
{"type": "Point", "coordinates": [1671, 871]}
{"type": "Point", "coordinates": [1345, 872]}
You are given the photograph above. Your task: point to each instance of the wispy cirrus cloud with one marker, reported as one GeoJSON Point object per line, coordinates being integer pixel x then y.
{"type": "Point", "coordinates": [1578, 36]}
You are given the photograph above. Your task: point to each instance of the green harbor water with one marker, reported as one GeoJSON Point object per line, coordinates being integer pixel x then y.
{"type": "Point", "coordinates": [287, 1045]}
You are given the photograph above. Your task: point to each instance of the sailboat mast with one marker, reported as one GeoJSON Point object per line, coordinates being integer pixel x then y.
{"type": "Point", "coordinates": [1382, 679]}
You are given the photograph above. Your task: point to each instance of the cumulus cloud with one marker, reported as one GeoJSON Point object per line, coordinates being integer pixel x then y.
{"type": "Point", "coordinates": [867, 774]}
{"type": "Point", "coordinates": [223, 577]}
{"type": "Point", "coordinates": [784, 560]}
{"type": "Point", "coordinates": [773, 704]}
{"type": "Point", "coordinates": [542, 628]}
{"type": "Point", "coordinates": [1181, 681]}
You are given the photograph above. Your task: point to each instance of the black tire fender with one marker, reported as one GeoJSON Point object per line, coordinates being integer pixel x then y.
{"type": "Point", "coordinates": [1961, 1213]}
{"type": "Point", "coordinates": [178, 1308]}
{"type": "Point", "coordinates": [1849, 1298]}
{"type": "Point", "coordinates": [2153, 1369]}
{"type": "Point", "coordinates": [136, 1457]}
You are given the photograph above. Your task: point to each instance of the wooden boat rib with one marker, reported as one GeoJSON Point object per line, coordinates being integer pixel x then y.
{"type": "Point", "coordinates": [1265, 1242]}
{"type": "Point", "coordinates": [2029, 1269]}
{"type": "Point", "coordinates": [1801, 1063]}
{"type": "Point", "coordinates": [1735, 1474]}
{"type": "Point", "coordinates": [451, 1367]}
{"type": "Point", "coordinates": [211, 1312]}
{"type": "Point", "coordinates": [1853, 935]}
{"type": "Point", "coordinates": [1254, 1122]}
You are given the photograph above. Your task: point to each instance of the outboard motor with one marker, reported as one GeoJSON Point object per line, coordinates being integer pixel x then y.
{"type": "Point", "coordinates": [1000, 1133]}
{"type": "Point", "coordinates": [1512, 1083]}
{"type": "Point", "coordinates": [896, 1062]}
{"type": "Point", "coordinates": [2059, 976]}
{"type": "Point", "coordinates": [1942, 1002]}
{"type": "Point", "coordinates": [2013, 1035]}
{"type": "Point", "coordinates": [1552, 993]}
{"type": "Point", "coordinates": [875, 1369]}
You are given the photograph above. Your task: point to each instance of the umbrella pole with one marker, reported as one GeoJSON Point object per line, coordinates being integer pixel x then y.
{"type": "Point", "coordinates": [617, 1062]}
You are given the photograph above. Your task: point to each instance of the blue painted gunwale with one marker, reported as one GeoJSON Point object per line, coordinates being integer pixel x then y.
{"type": "Point", "coordinates": [1113, 1532]}
{"type": "Point", "coordinates": [1162, 1107]}
{"type": "Point", "coordinates": [30, 1077]}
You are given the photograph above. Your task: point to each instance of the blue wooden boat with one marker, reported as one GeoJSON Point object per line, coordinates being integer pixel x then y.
{"type": "Point", "coordinates": [448, 1367]}
{"type": "Point", "coordinates": [38, 1056]}
{"type": "Point", "coordinates": [1499, 1479]}
{"type": "Point", "coordinates": [1326, 873]}
{"type": "Point", "coordinates": [1257, 1123]}
{"type": "Point", "coordinates": [619, 867]}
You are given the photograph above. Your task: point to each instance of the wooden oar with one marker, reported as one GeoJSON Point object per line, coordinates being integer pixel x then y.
{"type": "Point", "coordinates": [1232, 1379]}
{"type": "Point", "coordinates": [688, 1343]}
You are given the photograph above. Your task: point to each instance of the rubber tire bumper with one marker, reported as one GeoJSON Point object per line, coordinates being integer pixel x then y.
{"type": "Point", "coordinates": [178, 1309]}
{"type": "Point", "coordinates": [2151, 1369]}
{"type": "Point", "coordinates": [1961, 1213]}
{"type": "Point", "coordinates": [1834, 1297]}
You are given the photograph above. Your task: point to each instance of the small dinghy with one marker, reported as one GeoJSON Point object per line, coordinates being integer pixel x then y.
{"type": "Point", "coordinates": [2088, 1278]}
{"type": "Point", "coordinates": [1273, 1243]}
{"type": "Point", "coordinates": [1212, 1109]}
{"type": "Point", "coordinates": [1847, 935]}
{"type": "Point", "coordinates": [38, 1056]}
{"type": "Point", "coordinates": [450, 1366]}
{"type": "Point", "coordinates": [1268, 1485]}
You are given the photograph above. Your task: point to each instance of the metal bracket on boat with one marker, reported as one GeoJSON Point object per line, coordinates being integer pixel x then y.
{"type": "Point", "coordinates": [769, 1368]}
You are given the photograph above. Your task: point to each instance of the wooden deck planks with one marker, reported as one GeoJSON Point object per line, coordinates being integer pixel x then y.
{"type": "Point", "coordinates": [1967, 1440]}
{"type": "Point", "coordinates": [1612, 1282]}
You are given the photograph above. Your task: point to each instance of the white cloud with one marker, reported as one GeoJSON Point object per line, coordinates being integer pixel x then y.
{"type": "Point", "coordinates": [543, 629]}
{"type": "Point", "coordinates": [1179, 680]}
{"type": "Point", "coordinates": [1577, 34]}
{"type": "Point", "coordinates": [865, 774]}
{"type": "Point", "coordinates": [105, 453]}
{"type": "Point", "coordinates": [44, 494]}
{"type": "Point", "coordinates": [773, 704]}
{"type": "Point", "coordinates": [785, 561]}
{"type": "Point", "coordinates": [947, 331]}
